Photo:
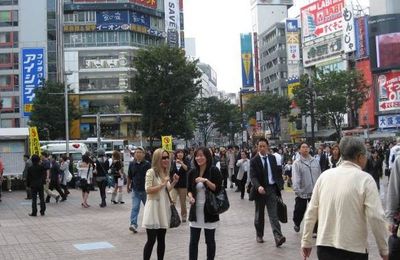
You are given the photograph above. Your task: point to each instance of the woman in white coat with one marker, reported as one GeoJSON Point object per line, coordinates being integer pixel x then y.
{"type": "Point", "coordinates": [243, 173]}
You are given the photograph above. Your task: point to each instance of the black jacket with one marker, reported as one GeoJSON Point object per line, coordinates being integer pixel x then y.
{"type": "Point", "coordinates": [137, 174]}
{"type": "Point", "coordinates": [182, 182]}
{"type": "Point", "coordinates": [36, 176]}
{"type": "Point", "coordinates": [258, 176]}
{"type": "Point", "coordinates": [212, 174]}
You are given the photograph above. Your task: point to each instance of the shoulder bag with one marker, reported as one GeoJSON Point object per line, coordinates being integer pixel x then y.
{"type": "Point", "coordinates": [175, 220]}
{"type": "Point", "coordinates": [216, 202]}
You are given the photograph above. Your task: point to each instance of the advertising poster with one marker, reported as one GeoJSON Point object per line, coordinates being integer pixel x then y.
{"type": "Point", "coordinates": [324, 49]}
{"type": "Point", "coordinates": [33, 76]}
{"type": "Point", "coordinates": [256, 61]}
{"type": "Point", "coordinates": [389, 91]}
{"type": "Point", "coordinates": [112, 20]}
{"type": "Point", "coordinates": [166, 142]}
{"type": "Point", "coordinates": [389, 121]}
{"type": "Point", "coordinates": [321, 18]}
{"type": "Point", "coordinates": [172, 22]}
{"type": "Point", "coordinates": [34, 145]}
{"type": "Point", "coordinates": [367, 110]}
{"type": "Point", "coordinates": [362, 41]}
{"type": "Point", "coordinates": [292, 41]}
{"type": "Point", "coordinates": [247, 61]}
{"type": "Point", "coordinates": [147, 3]}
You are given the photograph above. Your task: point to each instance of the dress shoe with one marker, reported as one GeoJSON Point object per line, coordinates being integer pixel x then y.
{"type": "Point", "coordinates": [260, 240]}
{"type": "Point", "coordinates": [279, 241]}
{"type": "Point", "coordinates": [32, 215]}
{"type": "Point", "coordinates": [57, 198]}
{"type": "Point", "coordinates": [296, 228]}
{"type": "Point", "coordinates": [64, 199]}
{"type": "Point", "coordinates": [41, 213]}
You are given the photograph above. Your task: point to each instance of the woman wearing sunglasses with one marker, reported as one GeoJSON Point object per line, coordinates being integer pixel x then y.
{"type": "Point", "coordinates": [157, 213]}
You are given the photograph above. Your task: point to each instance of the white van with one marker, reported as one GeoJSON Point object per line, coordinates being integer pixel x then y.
{"type": "Point", "coordinates": [76, 150]}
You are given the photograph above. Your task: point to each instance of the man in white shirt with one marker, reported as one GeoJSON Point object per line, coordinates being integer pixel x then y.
{"type": "Point", "coordinates": [344, 200]}
{"type": "Point", "coordinates": [394, 152]}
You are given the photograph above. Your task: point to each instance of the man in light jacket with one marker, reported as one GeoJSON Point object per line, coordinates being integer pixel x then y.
{"type": "Point", "coordinates": [305, 172]}
{"type": "Point", "coordinates": [344, 200]}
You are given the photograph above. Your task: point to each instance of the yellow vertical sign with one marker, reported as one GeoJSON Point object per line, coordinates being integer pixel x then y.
{"type": "Point", "coordinates": [34, 145]}
{"type": "Point", "coordinates": [166, 142]}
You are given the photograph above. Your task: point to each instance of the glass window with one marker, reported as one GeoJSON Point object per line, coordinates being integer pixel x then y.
{"type": "Point", "coordinates": [112, 37]}
{"type": "Point", "coordinates": [81, 17]}
{"type": "Point", "coordinates": [8, 2]}
{"type": "Point", "coordinates": [51, 24]}
{"type": "Point", "coordinates": [51, 15]}
{"type": "Point", "coordinates": [91, 16]}
{"type": "Point", "coordinates": [51, 35]}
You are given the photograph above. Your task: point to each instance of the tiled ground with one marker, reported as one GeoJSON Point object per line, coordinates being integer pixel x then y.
{"type": "Point", "coordinates": [67, 224]}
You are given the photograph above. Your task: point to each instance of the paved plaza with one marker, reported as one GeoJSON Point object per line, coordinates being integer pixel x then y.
{"type": "Point", "coordinates": [68, 231]}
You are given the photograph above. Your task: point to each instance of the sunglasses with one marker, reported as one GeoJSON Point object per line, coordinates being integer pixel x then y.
{"type": "Point", "coordinates": [165, 158]}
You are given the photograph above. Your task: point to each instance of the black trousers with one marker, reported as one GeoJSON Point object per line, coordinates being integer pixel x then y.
{"type": "Point", "coordinates": [53, 185]}
{"type": "Point", "coordinates": [102, 188]}
{"type": "Point", "coordinates": [394, 247]}
{"type": "Point", "coordinates": [35, 192]}
{"type": "Point", "coordinates": [331, 253]}
{"type": "Point", "coordinates": [194, 243]}
{"type": "Point", "coordinates": [152, 236]}
{"type": "Point", "coordinates": [242, 185]}
{"type": "Point", "coordinates": [300, 207]}
{"type": "Point", "coordinates": [224, 173]}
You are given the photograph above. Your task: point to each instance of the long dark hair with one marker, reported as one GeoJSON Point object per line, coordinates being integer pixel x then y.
{"type": "Point", "coordinates": [208, 156]}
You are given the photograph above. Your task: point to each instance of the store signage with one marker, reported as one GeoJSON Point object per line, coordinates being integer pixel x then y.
{"type": "Point", "coordinates": [389, 91]}
{"type": "Point", "coordinates": [349, 37]}
{"type": "Point", "coordinates": [320, 51]}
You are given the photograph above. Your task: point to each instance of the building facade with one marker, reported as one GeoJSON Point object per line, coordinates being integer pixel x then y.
{"type": "Point", "coordinates": [100, 40]}
{"type": "Point", "coordinates": [273, 59]}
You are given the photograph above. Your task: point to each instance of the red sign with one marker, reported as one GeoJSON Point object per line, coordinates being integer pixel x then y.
{"type": "Point", "coordinates": [321, 17]}
{"type": "Point", "coordinates": [367, 110]}
{"type": "Point", "coordinates": [389, 91]}
{"type": "Point", "coordinates": [148, 3]}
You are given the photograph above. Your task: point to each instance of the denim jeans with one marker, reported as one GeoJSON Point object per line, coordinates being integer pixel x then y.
{"type": "Point", "coordinates": [137, 197]}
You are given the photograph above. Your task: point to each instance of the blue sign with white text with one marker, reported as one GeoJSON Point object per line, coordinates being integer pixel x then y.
{"type": "Point", "coordinates": [140, 19]}
{"type": "Point", "coordinates": [112, 17]}
{"type": "Point", "coordinates": [33, 76]}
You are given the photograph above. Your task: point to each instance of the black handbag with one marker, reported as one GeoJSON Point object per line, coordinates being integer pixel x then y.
{"type": "Point", "coordinates": [282, 210]}
{"type": "Point", "coordinates": [175, 220]}
{"type": "Point", "coordinates": [217, 203]}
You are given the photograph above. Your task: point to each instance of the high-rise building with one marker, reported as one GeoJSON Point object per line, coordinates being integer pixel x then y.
{"type": "Point", "coordinates": [384, 7]}
{"type": "Point", "coordinates": [28, 53]}
{"type": "Point", "coordinates": [100, 40]}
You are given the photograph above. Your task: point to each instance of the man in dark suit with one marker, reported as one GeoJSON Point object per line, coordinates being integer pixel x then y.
{"type": "Point", "coordinates": [267, 183]}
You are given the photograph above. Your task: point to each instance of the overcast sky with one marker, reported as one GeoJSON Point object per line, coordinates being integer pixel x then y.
{"type": "Point", "coordinates": [216, 25]}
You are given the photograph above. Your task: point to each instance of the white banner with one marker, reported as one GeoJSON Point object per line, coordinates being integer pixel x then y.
{"type": "Point", "coordinates": [349, 37]}
{"type": "Point", "coordinates": [172, 22]}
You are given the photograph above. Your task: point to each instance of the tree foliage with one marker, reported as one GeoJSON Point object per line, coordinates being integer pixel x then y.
{"type": "Point", "coordinates": [335, 93]}
{"type": "Point", "coordinates": [48, 112]}
{"type": "Point", "coordinates": [212, 113]}
{"type": "Point", "coordinates": [164, 87]}
{"type": "Point", "coordinates": [272, 106]}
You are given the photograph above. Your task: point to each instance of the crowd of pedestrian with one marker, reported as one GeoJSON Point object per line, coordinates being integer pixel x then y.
{"type": "Point", "coordinates": [336, 190]}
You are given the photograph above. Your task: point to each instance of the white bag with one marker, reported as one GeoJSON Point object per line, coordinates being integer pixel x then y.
{"type": "Point", "coordinates": [68, 176]}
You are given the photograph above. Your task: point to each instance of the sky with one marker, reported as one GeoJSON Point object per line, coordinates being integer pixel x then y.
{"type": "Point", "coordinates": [216, 25]}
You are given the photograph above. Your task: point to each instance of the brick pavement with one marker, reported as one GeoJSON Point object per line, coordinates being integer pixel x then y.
{"type": "Point", "coordinates": [67, 224]}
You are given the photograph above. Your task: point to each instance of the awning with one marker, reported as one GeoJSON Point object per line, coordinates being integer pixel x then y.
{"type": "Point", "coordinates": [13, 133]}
{"type": "Point", "coordinates": [324, 133]}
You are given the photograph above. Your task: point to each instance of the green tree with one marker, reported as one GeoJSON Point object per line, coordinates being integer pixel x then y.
{"type": "Point", "coordinates": [328, 96]}
{"type": "Point", "coordinates": [272, 105]}
{"type": "Point", "coordinates": [164, 87]}
{"type": "Point", "coordinates": [211, 113]}
{"type": "Point", "coordinates": [48, 112]}
{"type": "Point", "coordinates": [339, 93]}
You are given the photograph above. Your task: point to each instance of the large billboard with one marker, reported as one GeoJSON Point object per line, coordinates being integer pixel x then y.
{"type": "Point", "coordinates": [292, 41]}
{"type": "Point", "coordinates": [389, 91]}
{"type": "Point", "coordinates": [323, 49]}
{"type": "Point", "coordinates": [147, 3]}
{"type": "Point", "coordinates": [362, 41]}
{"type": "Point", "coordinates": [33, 76]}
{"type": "Point", "coordinates": [247, 62]}
{"type": "Point", "coordinates": [384, 41]}
{"type": "Point", "coordinates": [256, 61]}
{"type": "Point", "coordinates": [172, 22]}
{"type": "Point", "coordinates": [321, 18]}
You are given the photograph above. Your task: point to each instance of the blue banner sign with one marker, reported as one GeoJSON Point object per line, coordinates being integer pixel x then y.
{"type": "Point", "coordinates": [33, 75]}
